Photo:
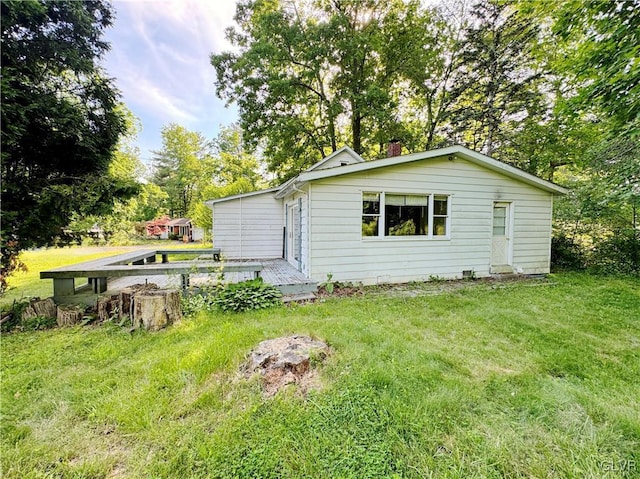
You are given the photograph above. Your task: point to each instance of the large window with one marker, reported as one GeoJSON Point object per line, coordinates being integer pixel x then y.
{"type": "Point", "coordinates": [406, 215]}
{"type": "Point", "coordinates": [394, 214]}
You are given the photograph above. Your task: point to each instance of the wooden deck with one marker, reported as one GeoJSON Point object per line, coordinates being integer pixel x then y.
{"type": "Point", "coordinates": [274, 271]}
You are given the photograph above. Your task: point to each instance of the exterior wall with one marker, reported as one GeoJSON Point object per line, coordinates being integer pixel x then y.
{"type": "Point", "coordinates": [337, 246]}
{"type": "Point", "coordinates": [249, 227]}
{"type": "Point", "coordinates": [304, 226]}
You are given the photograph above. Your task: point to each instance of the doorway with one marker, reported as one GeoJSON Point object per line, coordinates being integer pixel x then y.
{"type": "Point", "coordinates": [501, 238]}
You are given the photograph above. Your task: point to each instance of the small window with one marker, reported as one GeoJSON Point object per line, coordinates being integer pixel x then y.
{"type": "Point", "coordinates": [440, 215]}
{"type": "Point", "coordinates": [370, 214]}
{"type": "Point", "coordinates": [406, 215]}
{"type": "Point", "coordinates": [499, 221]}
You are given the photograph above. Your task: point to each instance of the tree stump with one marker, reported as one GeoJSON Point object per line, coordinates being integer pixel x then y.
{"type": "Point", "coordinates": [154, 309]}
{"type": "Point", "coordinates": [69, 315]}
{"type": "Point", "coordinates": [45, 308]}
{"type": "Point", "coordinates": [126, 298]}
{"type": "Point", "coordinates": [107, 307]}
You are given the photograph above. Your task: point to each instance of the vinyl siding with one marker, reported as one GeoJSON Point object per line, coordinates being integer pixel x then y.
{"type": "Point", "coordinates": [249, 227]}
{"type": "Point", "coordinates": [337, 247]}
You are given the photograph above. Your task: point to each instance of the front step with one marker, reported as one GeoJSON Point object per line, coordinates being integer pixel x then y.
{"type": "Point", "coordinates": [501, 269]}
{"type": "Point", "coordinates": [297, 288]}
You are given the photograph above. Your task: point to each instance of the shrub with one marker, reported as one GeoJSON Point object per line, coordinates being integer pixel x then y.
{"type": "Point", "coordinates": [566, 254]}
{"type": "Point", "coordinates": [248, 295]}
{"type": "Point", "coordinates": [192, 304]}
{"type": "Point", "coordinates": [619, 254]}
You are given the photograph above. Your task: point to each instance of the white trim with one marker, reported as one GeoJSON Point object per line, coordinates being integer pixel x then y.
{"type": "Point", "coordinates": [210, 203]}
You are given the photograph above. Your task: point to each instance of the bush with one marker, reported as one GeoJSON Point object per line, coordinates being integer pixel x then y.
{"type": "Point", "coordinates": [566, 254]}
{"type": "Point", "coordinates": [192, 304]}
{"type": "Point", "coordinates": [248, 295]}
{"type": "Point", "coordinates": [619, 254]}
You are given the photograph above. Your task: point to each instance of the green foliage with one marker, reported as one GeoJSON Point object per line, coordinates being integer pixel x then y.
{"type": "Point", "coordinates": [566, 254]}
{"type": "Point", "coordinates": [193, 304]}
{"type": "Point", "coordinates": [499, 80]}
{"type": "Point", "coordinates": [181, 167]}
{"type": "Point", "coordinates": [525, 379]}
{"type": "Point", "coordinates": [247, 296]}
{"type": "Point", "coordinates": [60, 120]}
{"type": "Point", "coordinates": [309, 78]}
{"type": "Point", "coordinates": [619, 254]}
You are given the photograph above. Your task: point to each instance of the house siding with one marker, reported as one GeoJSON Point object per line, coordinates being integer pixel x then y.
{"type": "Point", "coordinates": [337, 247]}
{"type": "Point", "coordinates": [249, 227]}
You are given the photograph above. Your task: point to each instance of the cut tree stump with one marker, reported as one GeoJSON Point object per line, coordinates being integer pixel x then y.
{"type": "Point", "coordinates": [38, 308]}
{"type": "Point", "coordinates": [154, 309]}
{"type": "Point", "coordinates": [69, 315]}
{"type": "Point", "coordinates": [107, 307]}
{"type": "Point", "coordinates": [126, 295]}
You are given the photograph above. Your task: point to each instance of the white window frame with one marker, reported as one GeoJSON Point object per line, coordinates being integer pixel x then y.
{"type": "Point", "coordinates": [382, 219]}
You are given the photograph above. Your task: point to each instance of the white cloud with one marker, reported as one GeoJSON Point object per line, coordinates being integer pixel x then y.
{"type": "Point", "coordinates": [160, 58]}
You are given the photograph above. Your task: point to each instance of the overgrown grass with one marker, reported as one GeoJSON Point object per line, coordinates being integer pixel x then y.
{"type": "Point", "coordinates": [528, 379]}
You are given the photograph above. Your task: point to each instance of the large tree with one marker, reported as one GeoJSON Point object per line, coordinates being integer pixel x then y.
{"type": "Point", "coordinates": [309, 77]}
{"type": "Point", "coordinates": [60, 122]}
{"type": "Point", "coordinates": [182, 167]}
{"type": "Point", "coordinates": [498, 90]}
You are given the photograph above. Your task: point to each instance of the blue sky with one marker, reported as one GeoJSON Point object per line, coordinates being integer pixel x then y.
{"type": "Point", "coordinates": [160, 59]}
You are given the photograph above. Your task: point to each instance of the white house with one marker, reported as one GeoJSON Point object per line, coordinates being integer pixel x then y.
{"type": "Point", "coordinates": [447, 213]}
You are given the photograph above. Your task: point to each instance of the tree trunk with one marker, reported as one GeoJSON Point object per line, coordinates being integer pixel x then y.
{"type": "Point", "coordinates": [155, 309]}
{"type": "Point", "coordinates": [68, 315]}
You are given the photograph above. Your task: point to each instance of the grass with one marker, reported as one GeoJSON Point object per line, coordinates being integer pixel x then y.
{"type": "Point", "coordinates": [528, 379]}
{"type": "Point", "coordinates": [27, 284]}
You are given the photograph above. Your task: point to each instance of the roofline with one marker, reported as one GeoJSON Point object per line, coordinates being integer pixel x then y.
{"type": "Point", "coordinates": [345, 148]}
{"type": "Point", "coordinates": [210, 203]}
{"type": "Point", "coordinates": [458, 150]}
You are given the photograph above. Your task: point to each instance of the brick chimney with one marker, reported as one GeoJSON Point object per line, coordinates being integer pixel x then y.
{"type": "Point", "coordinates": [394, 148]}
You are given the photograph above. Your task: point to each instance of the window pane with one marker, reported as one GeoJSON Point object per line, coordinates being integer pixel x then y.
{"type": "Point", "coordinates": [439, 226]}
{"type": "Point", "coordinates": [499, 231]}
{"type": "Point", "coordinates": [440, 205]}
{"type": "Point", "coordinates": [405, 220]}
{"type": "Point", "coordinates": [371, 203]}
{"type": "Point", "coordinates": [370, 225]}
{"type": "Point", "coordinates": [499, 212]}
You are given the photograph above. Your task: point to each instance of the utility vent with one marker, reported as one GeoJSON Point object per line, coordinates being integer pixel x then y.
{"type": "Point", "coordinates": [468, 274]}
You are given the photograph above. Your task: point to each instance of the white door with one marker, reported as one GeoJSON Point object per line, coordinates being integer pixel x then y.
{"type": "Point", "coordinates": [293, 234]}
{"type": "Point", "coordinates": [501, 238]}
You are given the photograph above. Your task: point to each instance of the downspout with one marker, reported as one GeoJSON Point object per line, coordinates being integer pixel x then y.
{"type": "Point", "coordinates": [241, 220]}
{"type": "Point", "coordinates": [295, 188]}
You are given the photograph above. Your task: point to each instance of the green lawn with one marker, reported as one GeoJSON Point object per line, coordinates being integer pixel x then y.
{"type": "Point", "coordinates": [529, 379]}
